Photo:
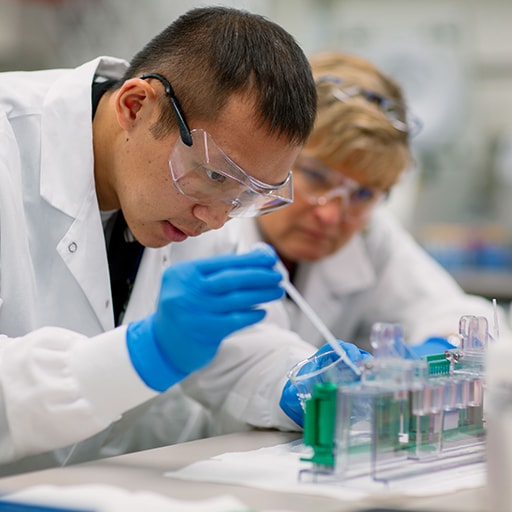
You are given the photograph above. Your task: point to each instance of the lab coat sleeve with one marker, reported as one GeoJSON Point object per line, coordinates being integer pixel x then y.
{"type": "Point", "coordinates": [243, 384]}
{"type": "Point", "coordinates": [59, 387]}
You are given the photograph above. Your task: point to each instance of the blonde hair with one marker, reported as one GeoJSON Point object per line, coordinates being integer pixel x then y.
{"type": "Point", "coordinates": [356, 133]}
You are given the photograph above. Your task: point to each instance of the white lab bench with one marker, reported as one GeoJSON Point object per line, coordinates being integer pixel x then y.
{"type": "Point", "coordinates": [144, 471]}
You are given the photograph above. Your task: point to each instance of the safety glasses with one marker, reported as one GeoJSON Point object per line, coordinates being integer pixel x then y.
{"type": "Point", "coordinates": [318, 185]}
{"type": "Point", "coordinates": [400, 117]}
{"type": "Point", "coordinates": [202, 172]}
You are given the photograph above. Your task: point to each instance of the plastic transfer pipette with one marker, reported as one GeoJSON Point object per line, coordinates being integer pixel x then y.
{"type": "Point", "coordinates": [314, 318]}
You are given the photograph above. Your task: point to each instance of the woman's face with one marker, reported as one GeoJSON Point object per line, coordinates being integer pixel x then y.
{"type": "Point", "coordinates": [331, 204]}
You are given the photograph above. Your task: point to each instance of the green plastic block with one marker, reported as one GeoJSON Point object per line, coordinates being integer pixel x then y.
{"type": "Point", "coordinates": [320, 424]}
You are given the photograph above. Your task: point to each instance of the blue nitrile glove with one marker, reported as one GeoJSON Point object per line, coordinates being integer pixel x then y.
{"type": "Point", "coordinates": [200, 303]}
{"type": "Point", "coordinates": [431, 346]}
{"type": "Point", "coordinates": [290, 402]}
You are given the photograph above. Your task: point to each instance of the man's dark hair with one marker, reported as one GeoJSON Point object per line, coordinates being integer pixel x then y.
{"type": "Point", "coordinates": [208, 54]}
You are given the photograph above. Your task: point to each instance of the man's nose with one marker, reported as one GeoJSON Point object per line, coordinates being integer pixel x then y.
{"type": "Point", "coordinates": [214, 216]}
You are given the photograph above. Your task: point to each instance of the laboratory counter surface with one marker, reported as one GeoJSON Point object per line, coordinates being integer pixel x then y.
{"type": "Point", "coordinates": [145, 471]}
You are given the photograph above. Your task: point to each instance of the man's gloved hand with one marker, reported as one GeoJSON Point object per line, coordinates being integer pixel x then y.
{"type": "Point", "coordinates": [200, 303]}
{"type": "Point", "coordinates": [290, 402]}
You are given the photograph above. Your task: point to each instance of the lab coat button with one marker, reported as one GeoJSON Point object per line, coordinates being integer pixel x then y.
{"type": "Point", "coordinates": [72, 247]}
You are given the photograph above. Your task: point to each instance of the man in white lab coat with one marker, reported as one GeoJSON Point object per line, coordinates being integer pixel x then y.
{"type": "Point", "coordinates": [80, 360]}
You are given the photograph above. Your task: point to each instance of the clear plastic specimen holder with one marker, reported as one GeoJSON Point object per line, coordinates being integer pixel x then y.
{"type": "Point", "coordinates": [401, 417]}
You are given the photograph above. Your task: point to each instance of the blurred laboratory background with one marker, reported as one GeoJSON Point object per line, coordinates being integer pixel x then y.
{"type": "Point", "coordinates": [452, 57]}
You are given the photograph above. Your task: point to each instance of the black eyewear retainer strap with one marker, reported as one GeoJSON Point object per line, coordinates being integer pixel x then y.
{"type": "Point", "coordinates": [185, 134]}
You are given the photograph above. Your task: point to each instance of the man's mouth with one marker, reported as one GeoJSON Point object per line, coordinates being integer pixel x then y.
{"type": "Point", "coordinates": [173, 234]}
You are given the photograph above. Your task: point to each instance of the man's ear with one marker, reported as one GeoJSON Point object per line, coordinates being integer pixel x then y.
{"type": "Point", "coordinates": [134, 97]}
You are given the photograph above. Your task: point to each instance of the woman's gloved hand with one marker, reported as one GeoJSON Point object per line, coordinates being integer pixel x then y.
{"type": "Point", "coordinates": [290, 402]}
{"type": "Point", "coordinates": [200, 303]}
{"type": "Point", "coordinates": [435, 345]}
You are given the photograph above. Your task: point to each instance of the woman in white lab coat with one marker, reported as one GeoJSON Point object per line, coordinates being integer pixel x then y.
{"type": "Point", "coordinates": [350, 258]}
{"type": "Point", "coordinates": [66, 373]}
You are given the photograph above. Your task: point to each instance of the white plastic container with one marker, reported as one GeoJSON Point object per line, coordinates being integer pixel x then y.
{"type": "Point", "coordinates": [499, 424]}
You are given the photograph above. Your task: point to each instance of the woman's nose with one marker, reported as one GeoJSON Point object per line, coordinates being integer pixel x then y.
{"type": "Point", "coordinates": [214, 216]}
{"type": "Point", "coordinates": [333, 211]}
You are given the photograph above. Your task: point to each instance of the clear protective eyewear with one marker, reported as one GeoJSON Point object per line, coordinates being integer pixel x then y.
{"type": "Point", "coordinates": [400, 117]}
{"type": "Point", "coordinates": [202, 171]}
{"type": "Point", "coordinates": [318, 185]}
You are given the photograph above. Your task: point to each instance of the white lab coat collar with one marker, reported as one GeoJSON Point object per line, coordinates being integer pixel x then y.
{"type": "Point", "coordinates": [74, 152]}
{"type": "Point", "coordinates": [349, 270]}
{"type": "Point", "coordinates": [327, 282]}
{"type": "Point", "coordinates": [67, 176]}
